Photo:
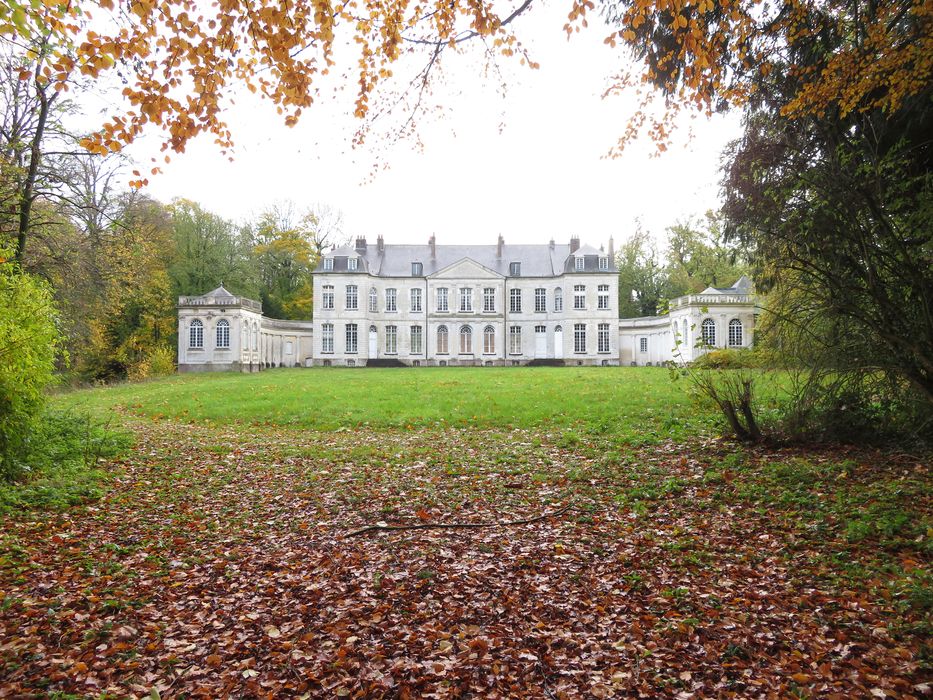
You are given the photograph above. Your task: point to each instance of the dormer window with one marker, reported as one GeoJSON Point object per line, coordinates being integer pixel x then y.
{"type": "Point", "coordinates": [416, 269]}
{"type": "Point", "coordinates": [515, 269]}
{"type": "Point", "coordinates": [603, 263]}
{"type": "Point", "coordinates": [578, 263]}
{"type": "Point", "coordinates": [351, 263]}
{"type": "Point", "coordinates": [328, 264]}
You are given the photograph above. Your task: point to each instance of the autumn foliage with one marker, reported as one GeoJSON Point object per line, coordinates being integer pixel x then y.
{"type": "Point", "coordinates": [182, 62]}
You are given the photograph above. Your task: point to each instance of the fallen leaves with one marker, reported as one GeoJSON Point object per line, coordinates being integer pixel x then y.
{"type": "Point", "coordinates": [219, 566]}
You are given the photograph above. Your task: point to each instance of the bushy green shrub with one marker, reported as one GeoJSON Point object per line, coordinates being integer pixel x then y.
{"type": "Point", "coordinates": [60, 454]}
{"type": "Point", "coordinates": [742, 358]}
{"type": "Point", "coordinates": [29, 344]}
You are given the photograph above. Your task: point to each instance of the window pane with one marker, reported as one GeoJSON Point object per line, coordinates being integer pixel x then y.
{"type": "Point", "coordinates": [579, 337]}
{"type": "Point", "coordinates": [466, 340]}
{"type": "Point", "coordinates": [223, 333]}
{"type": "Point", "coordinates": [540, 300]}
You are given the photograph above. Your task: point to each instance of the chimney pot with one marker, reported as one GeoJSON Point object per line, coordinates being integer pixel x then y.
{"type": "Point", "coordinates": [380, 244]}
{"type": "Point", "coordinates": [612, 249]}
{"type": "Point", "coordinates": [574, 244]}
{"type": "Point", "coordinates": [499, 246]}
{"type": "Point", "coordinates": [360, 243]}
{"type": "Point", "coordinates": [432, 241]}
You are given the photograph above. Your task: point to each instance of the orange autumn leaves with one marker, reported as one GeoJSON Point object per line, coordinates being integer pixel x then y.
{"type": "Point", "coordinates": [182, 60]}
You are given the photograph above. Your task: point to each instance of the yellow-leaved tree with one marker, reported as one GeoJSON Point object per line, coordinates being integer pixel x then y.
{"type": "Point", "coordinates": [181, 60]}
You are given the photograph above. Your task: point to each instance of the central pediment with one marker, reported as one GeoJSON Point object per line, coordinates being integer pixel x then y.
{"type": "Point", "coordinates": [465, 268]}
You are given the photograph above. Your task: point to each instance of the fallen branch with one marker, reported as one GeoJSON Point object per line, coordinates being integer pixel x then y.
{"type": "Point", "coordinates": [436, 526]}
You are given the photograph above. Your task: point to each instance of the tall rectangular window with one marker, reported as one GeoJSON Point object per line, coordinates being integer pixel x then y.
{"type": "Point", "coordinates": [442, 299]}
{"type": "Point", "coordinates": [327, 337]}
{"type": "Point", "coordinates": [391, 340]}
{"type": "Point", "coordinates": [643, 345]}
{"type": "Point", "coordinates": [328, 264]}
{"type": "Point", "coordinates": [515, 301]}
{"type": "Point", "coordinates": [515, 340]}
{"type": "Point", "coordinates": [416, 269]}
{"type": "Point", "coordinates": [416, 299]}
{"type": "Point", "coordinates": [579, 337]}
{"type": "Point", "coordinates": [489, 340]}
{"type": "Point", "coordinates": [602, 299]}
{"type": "Point", "coordinates": [515, 269]}
{"type": "Point", "coordinates": [602, 338]}
{"type": "Point", "coordinates": [196, 335]}
{"type": "Point", "coordinates": [442, 344]}
{"type": "Point", "coordinates": [351, 263]}
{"type": "Point", "coordinates": [579, 263]}
{"type": "Point", "coordinates": [352, 298]}
{"type": "Point", "coordinates": [489, 300]}
{"type": "Point", "coordinates": [391, 300]}
{"type": "Point", "coordinates": [579, 296]}
{"type": "Point", "coordinates": [604, 263]}
{"type": "Point", "coordinates": [417, 340]}
{"type": "Point", "coordinates": [373, 300]}
{"type": "Point", "coordinates": [540, 300]}
{"type": "Point", "coordinates": [352, 338]}
{"type": "Point", "coordinates": [327, 296]}
{"type": "Point", "coordinates": [466, 299]}
{"type": "Point", "coordinates": [223, 333]}
{"type": "Point", "coordinates": [558, 300]}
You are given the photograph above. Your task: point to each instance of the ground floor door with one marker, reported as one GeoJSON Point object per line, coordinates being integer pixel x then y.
{"type": "Point", "coordinates": [558, 343]}
{"type": "Point", "coordinates": [373, 342]}
{"type": "Point", "coordinates": [540, 342]}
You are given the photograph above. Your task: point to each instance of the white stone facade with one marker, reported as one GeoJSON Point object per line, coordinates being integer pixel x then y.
{"type": "Point", "coordinates": [219, 331]}
{"type": "Point", "coordinates": [461, 306]}
{"type": "Point", "coordinates": [465, 305]}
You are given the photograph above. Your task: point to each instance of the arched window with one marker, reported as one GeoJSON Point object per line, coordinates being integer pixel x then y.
{"type": "Point", "coordinates": [489, 340]}
{"type": "Point", "coordinates": [373, 300]}
{"type": "Point", "coordinates": [442, 346]}
{"type": "Point", "coordinates": [196, 334]}
{"type": "Point", "coordinates": [223, 333]}
{"type": "Point", "coordinates": [735, 333]}
{"type": "Point", "coordinates": [708, 330]}
{"type": "Point", "coordinates": [466, 340]}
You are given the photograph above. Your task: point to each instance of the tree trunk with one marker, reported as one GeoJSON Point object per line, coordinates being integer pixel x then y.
{"type": "Point", "coordinates": [35, 153]}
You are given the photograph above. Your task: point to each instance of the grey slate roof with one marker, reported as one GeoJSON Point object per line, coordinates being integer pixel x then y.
{"type": "Point", "coordinates": [219, 293]}
{"type": "Point", "coordinates": [743, 285]}
{"type": "Point", "coordinates": [396, 260]}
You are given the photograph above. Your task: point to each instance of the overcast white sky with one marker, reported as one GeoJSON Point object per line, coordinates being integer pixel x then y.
{"type": "Point", "coordinates": [542, 174]}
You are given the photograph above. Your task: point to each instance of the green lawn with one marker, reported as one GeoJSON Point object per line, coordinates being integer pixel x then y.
{"type": "Point", "coordinates": [544, 532]}
{"type": "Point", "coordinates": [634, 403]}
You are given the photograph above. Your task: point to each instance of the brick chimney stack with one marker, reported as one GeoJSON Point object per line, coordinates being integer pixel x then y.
{"type": "Point", "coordinates": [551, 244]}
{"type": "Point", "coordinates": [574, 244]}
{"type": "Point", "coordinates": [380, 244]}
{"type": "Point", "coordinates": [612, 249]}
{"type": "Point", "coordinates": [361, 244]}
{"type": "Point", "coordinates": [432, 241]}
{"type": "Point", "coordinates": [499, 246]}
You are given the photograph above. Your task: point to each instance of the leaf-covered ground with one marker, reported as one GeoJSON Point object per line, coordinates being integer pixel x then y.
{"type": "Point", "coordinates": [221, 563]}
